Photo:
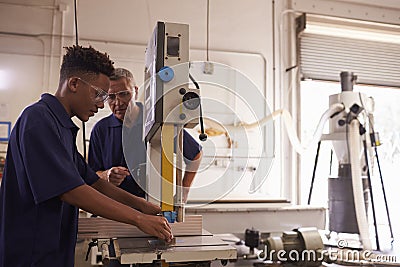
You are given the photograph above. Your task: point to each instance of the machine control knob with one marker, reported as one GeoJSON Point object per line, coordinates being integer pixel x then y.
{"type": "Point", "coordinates": [203, 137]}
{"type": "Point", "coordinates": [166, 74]}
{"type": "Point", "coordinates": [191, 100]}
{"type": "Point", "coordinates": [182, 116]}
{"type": "Point", "coordinates": [182, 91]}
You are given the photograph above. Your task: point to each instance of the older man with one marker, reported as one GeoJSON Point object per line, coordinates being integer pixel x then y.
{"type": "Point", "coordinates": [106, 155]}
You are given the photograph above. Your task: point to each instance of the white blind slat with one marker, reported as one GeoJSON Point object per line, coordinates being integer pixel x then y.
{"type": "Point", "coordinates": [323, 57]}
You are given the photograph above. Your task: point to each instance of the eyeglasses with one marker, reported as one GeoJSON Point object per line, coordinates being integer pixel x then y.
{"type": "Point", "coordinates": [101, 95]}
{"type": "Point", "coordinates": [122, 95]}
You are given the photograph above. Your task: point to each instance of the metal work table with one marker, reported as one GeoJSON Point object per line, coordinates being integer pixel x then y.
{"type": "Point", "coordinates": [192, 243]}
{"type": "Point", "coordinates": [185, 249]}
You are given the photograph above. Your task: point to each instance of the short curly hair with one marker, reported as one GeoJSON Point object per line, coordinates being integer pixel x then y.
{"type": "Point", "coordinates": [82, 61]}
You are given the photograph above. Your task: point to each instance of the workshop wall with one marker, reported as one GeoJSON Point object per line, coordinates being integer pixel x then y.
{"type": "Point", "coordinates": [247, 35]}
{"type": "Point", "coordinates": [32, 35]}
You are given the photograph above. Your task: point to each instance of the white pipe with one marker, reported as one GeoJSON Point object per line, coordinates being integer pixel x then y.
{"type": "Point", "coordinates": [355, 156]}
{"type": "Point", "coordinates": [288, 120]}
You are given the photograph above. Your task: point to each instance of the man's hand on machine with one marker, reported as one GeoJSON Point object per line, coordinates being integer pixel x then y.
{"type": "Point", "coordinates": [156, 226]}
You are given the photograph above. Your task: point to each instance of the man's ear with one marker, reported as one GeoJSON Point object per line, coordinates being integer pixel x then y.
{"type": "Point", "coordinates": [72, 84]}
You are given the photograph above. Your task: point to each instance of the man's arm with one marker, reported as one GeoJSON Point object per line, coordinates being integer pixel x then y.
{"type": "Point", "coordinates": [90, 200]}
{"type": "Point", "coordinates": [126, 198]}
{"type": "Point", "coordinates": [190, 172]}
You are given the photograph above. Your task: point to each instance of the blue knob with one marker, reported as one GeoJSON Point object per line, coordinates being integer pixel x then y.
{"type": "Point", "coordinates": [166, 74]}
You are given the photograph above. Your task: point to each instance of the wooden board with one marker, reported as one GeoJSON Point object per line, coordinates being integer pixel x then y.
{"type": "Point", "coordinates": [105, 228]}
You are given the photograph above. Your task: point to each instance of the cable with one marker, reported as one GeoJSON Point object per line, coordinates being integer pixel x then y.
{"type": "Point", "coordinates": [194, 81]}
{"type": "Point", "coordinates": [208, 28]}
{"type": "Point", "coordinates": [76, 23]}
{"type": "Point", "coordinates": [203, 135]}
{"type": "Point", "coordinates": [77, 43]}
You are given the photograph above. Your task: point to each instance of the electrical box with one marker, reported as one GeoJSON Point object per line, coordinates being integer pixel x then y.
{"type": "Point", "coordinates": [168, 99]}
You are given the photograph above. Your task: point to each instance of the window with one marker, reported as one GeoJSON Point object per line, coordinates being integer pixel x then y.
{"type": "Point", "coordinates": [371, 51]}
{"type": "Point", "coordinates": [386, 110]}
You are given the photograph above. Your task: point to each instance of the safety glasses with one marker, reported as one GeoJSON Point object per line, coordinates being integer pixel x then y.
{"type": "Point", "coordinates": [122, 95]}
{"type": "Point", "coordinates": [101, 95]}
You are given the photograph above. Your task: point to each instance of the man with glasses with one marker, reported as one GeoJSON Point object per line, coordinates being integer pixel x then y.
{"type": "Point", "coordinates": [106, 155]}
{"type": "Point", "coordinates": [46, 180]}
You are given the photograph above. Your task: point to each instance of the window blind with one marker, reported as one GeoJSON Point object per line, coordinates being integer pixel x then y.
{"type": "Point", "coordinates": [323, 57]}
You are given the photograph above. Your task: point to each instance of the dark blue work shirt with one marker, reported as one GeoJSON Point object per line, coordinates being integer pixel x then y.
{"type": "Point", "coordinates": [106, 149]}
{"type": "Point", "coordinates": [42, 163]}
